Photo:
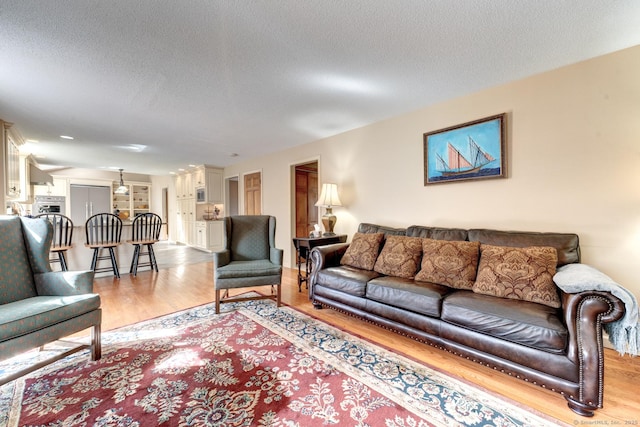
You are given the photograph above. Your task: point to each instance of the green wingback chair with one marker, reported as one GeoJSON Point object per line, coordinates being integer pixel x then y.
{"type": "Point", "coordinates": [38, 305]}
{"type": "Point", "coordinates": [250, 258]}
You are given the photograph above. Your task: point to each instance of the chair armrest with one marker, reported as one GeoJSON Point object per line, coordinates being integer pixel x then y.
{"type": "Point", "coordinates": [222, 258]}
{"type": "Point", "coordinates": [64, 283]}
{"type": "Point", "coordinates": [275, 256]}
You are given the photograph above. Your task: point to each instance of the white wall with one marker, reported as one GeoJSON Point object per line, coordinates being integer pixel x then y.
{"type": "Point", "coordinates": [573, 165]}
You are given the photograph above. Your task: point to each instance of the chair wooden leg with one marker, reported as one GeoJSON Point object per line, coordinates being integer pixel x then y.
{"type": "Point", "coordinates": [278, 295]}
{"type": "Point", "coordinates": [152, 258]}
{"type": "Point", "coordinates": [114, 262]}
{"type": "Point", "coordinates": [96, 346]}
{"type": "Point", "coordinates": [134, 261]}
{"type": "Point", "coordinates": [217, 301]}
{"type": "Point", "coordinates": [94, 260]}
{"type": "Point", "coordinates": [63, 260]}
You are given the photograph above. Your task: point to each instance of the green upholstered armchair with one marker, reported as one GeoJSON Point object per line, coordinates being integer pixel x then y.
{"type": "Point", "coordinates": [250, 258]}
{"type": "Point", "coordinates": [37, 305]}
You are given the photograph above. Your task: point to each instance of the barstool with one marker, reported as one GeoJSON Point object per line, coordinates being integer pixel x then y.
{"type": "Point", "coordinates": [104, 231]}
{"type": "Point", "coordinates": [62, 237]}
{"type": "Point", "coordinates": [145, 231]}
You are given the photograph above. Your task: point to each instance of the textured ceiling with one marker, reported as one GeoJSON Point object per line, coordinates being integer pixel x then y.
{"type": "Point", "coordinates": [154, 85]}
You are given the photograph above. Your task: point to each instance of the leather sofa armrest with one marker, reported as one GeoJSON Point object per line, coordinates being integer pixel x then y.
{"type": "Point", "coordinates": [324, 257]}
{"type": "Point", "coordinates": [221, 258]}
{"type": "Point", "coordinates": [327, 256]}
{"type": "Point", "coordinates": [584, 314]}
{"type": "Point", "coordinates": [64, 283]}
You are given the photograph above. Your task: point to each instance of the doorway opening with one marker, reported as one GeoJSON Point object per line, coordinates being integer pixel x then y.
{"type": "Point", "coordinates": [231, 192]}
{"type": "Point", "coordinates": [306, 195]}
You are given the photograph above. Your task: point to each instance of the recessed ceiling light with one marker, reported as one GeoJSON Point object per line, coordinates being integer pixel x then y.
{"type": "Point", "coordinates": [35, 141]}
{"type": "Point", "coordinates": [172, 173]}
{"type": "Point", "coordinates": [181, 169]}
{"type": "Point", "coordinates": [192, 166]}
{"type": "Point", "coordinates": [66, 137]}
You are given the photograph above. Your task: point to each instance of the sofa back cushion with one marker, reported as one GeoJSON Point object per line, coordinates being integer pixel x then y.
{"type": "Point", "coordinates": [16, 278]}
{"type": "Point", "coordinates": [437, 233]}
{"type": "Point", "coordinates": [566, 244]}
{"type": "Point", "coordinates": [518, 273]}
{"type": "Point", "coordinates": [449, 263]}
{"type": "Point", "coordinates": [400, 257]}
{"type": "Point", "coordinates": [363, 250]}
{"type": "Point", "coordinates": [374, 228]}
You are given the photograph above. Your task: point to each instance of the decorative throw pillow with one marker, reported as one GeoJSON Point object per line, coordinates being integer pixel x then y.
{"type": "Point", "coordinates": [363, 250]}
{"type": "Point", "coordinates": [518, 273]}
{"type": "Point", "coordinates": [400, 257]}
{"type": "Point", "coordinates": [449, 263]}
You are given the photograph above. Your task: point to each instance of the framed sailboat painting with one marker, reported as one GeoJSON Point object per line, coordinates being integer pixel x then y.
{"type": "Point", "coordinates": [473, 150]}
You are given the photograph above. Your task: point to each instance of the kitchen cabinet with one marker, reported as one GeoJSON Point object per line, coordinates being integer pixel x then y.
{"type": "Point", "coordinates": [88, 200]}
{"type": "Point", "coordinates": [214, 183]}
{"type": "Point", "coordinates": [185, 224]}
{"type": "Point", "coordinates": [136, 201]}
{"type": "Point", "coordinates": [209, 235]}
{"type": "Point", "coordinates": [122, 201]}
{"type": "Point", "coordinates": [184, 186]}
{"type": "Point", "coordinates": [13, 183]}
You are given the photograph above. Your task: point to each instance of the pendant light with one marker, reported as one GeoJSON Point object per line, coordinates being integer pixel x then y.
{"type": "Point", "coordinates": [123, 188]}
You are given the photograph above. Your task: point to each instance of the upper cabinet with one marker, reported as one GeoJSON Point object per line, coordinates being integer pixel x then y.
{"type": "Point", "coordinates": [15, 177]}
{"type": "Point", "coordinates": [136, 201]}
{"type": "Point", "coordinates": [205, 178]}
{"type": "Point", "coordinates": [214, 183]}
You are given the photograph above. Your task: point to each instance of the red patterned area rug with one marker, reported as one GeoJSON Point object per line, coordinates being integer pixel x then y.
{"type": "Point", "coordinates": [254, 365]}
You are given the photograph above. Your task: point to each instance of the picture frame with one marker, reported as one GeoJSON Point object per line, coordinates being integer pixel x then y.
{"type": "Point", "coordinates": [469, 151]}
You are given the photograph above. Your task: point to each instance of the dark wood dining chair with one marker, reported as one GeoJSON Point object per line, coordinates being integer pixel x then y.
{"type": "Point", "coordinates": [145, 231]}
{"type": "Point", "coordinates": [104, 231]}
{"type": "Point", "coordinates": [62, 238]}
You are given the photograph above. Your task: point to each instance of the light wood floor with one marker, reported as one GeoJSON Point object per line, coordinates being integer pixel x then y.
{"type": "Point", "coordinates": [151, 294]}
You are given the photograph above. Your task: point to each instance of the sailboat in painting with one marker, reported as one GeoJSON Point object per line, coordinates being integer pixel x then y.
{"type": "Point", "coordinates": [458, 164]}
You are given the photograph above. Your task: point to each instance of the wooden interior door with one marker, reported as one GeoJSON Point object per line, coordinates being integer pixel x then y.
{"type": "Point", "coordinates": [253, 194]}
{"type": "Point", "coordinates": [306, 183]}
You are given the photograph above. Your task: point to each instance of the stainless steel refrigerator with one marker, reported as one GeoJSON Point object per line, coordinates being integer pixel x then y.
{"type": "Point", "coordinates": [88, 200]}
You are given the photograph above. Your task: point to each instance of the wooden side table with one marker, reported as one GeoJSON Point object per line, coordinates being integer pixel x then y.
{"type": "Point", "coordinates": [303, 248]}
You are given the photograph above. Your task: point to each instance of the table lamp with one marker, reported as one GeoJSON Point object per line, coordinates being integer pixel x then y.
{"type": "Point", "coordinates": [328, 199]}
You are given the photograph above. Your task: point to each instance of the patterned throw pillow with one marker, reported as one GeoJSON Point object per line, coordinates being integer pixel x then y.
{"type": "Point", "coordinates": [518, 273]}
{"type": "Point", "coordinates": [449, 263]}
{"type": "Point", "coordinates": [363, 250]}
{"type": "Point", "coordinates": [400, 257]}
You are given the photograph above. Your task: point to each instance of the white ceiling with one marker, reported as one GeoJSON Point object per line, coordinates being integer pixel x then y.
{"type": "Point", "coordinates": [154, 85]}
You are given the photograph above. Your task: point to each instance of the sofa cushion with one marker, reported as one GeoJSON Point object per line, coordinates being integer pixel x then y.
{"type": "Point", "coordinates": [363, 250]}
{"type": "Point", "coordinates": [450, 263]}
{"type": "Point", "coordinates": [437, 233]}
{"type": "Point", "coordinates": [239, 269]}
{"type": "Point", "coordinates": [567, 244]}
{"type": "Point", "coordinates": [400, 257]}
{"type": "Point", "coordinates": [420, 297]}
{"type": "Point", "coordinates": [346, 279]}
{"type": "Point", "coordinates": [518, 273]}
{"type": "Point", "coordinates": [32, 314]}
{"type": "Point", "coordinates": [522, 322]}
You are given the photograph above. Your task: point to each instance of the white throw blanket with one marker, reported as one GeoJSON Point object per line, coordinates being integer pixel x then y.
{"type": "Point", "coordinates": [624, 334]}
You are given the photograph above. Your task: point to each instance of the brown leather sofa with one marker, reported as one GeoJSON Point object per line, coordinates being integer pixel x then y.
{"type": "Point", "coordinates": [559, 349]}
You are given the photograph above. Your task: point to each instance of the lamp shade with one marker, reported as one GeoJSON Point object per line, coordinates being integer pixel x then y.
{"type": "Point", "coordinates": [329, 196]}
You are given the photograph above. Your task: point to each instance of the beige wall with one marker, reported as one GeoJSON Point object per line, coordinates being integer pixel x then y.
{"type": "Point", "coordinates": [573, 165]}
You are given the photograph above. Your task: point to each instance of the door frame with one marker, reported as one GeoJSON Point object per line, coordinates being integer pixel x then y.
{"type": "Point", "coordinates": [292, 199]}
